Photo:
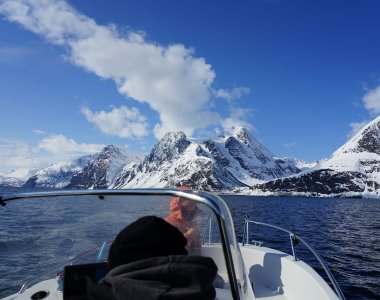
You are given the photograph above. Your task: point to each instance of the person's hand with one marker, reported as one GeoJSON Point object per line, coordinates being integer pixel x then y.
{"type": "Point", "coordinates": [189, 233]}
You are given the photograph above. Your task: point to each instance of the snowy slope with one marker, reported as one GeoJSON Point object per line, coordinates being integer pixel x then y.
{"type": "Point", "coordinates": [6, 181]}
{"type": "Point", "coordinates": [57, 175]}
{"type": "Point", "coordinates": [175, 160]}
{"type": "Point", "coordinates": [23, 174]}
{"type": "Point", "coordinates": [102, 170]}
{"type": "Point", "coordinates": [247, 159]}
{"type": "Point", "coordinates": [353, 170]}
{"type": "Point", "coordinates": [170, 162]}
{"type": "Point", "coordinates": [99, 170]}
{"type": "Point", "coordinates": [16, 178]}
{"type": "Point", "coordinates": [227, 162]}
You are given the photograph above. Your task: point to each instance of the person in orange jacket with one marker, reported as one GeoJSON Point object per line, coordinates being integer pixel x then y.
{"type": "Point", "coordinates": [182, 215]}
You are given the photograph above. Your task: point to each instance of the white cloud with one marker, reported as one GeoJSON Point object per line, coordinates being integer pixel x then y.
{"type": "Point", "coordinates": [170, 79]}
{"type": "Point", "coordinates": [54, 19]}
{"type": "Point", "coordinates": [16, 154]}
{"type": "Point", "coordinates": [233, 94]}
{"type": "Point", "coordinates": [60, 144]}
{"type": "Point", "coordinates": [238, 118]}
{"type": "Point", "coordinates": [122, 121]}
{"type": "Point", "coordinates": [372, 100]}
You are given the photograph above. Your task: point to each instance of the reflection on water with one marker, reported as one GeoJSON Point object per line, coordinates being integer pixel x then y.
{"type": "Point", "coordinates": [343, 231]}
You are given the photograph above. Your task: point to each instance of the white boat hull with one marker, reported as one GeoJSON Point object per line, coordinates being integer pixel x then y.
{"type": "Point", "coordinates": [276, 275]}
{"type": "Point", "coordinates": [49, 286]}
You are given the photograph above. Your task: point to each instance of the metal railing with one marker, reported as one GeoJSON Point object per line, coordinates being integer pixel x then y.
{"type": "Point", "coordinates": [294, 240]}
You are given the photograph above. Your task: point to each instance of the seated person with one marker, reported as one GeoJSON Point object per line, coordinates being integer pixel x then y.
{"type": "Point", "coordinates": [148, 260]}
{"type": "Point", "coordinates": [182, 215]}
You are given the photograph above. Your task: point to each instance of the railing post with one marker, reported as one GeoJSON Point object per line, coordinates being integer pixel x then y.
{"type": "Point", "coordinates": [247, 240]}
{"type": "Point", "coordinates": [209, 230]}
{"type": "Point", "coordinates": [246, 230]}
{"type": "Point", "coordinates": [293, 239]}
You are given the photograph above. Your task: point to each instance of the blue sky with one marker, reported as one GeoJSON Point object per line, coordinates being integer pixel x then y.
{"type": "Point", "coordinates": [301, 75]}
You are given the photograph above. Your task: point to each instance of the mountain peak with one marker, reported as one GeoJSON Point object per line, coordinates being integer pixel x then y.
{"type": "Point", "coordinates": [170, 145]}
{"type": "Point", "coordinates": [243, 135]}
{"type": "Point", "coordinates": [110, 148]}
{"type": "Point", "coordinates": [173, 140]}
{"type": "Point", "coordinates": [173, 136]}
{"type": "Point", "coordinates": [366, 140]}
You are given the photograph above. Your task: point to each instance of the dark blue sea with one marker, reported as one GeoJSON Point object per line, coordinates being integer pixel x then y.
{"type": "Point", "coordinates": [345, 232]}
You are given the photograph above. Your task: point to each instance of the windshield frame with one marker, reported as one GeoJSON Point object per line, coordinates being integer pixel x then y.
{"type": "Point", "coordinates": [214, 202]}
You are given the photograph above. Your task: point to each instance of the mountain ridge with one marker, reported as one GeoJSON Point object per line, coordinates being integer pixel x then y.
{"type": "Point", "coordinates": [353, 170]}
{"type": "Point", "coordinates": [232, 163]}
{"type": "Point", "coordinates": [227, 162]}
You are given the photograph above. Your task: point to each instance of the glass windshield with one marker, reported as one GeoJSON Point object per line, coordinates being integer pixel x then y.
{"type": "Point", "coordinates": [40, 236]}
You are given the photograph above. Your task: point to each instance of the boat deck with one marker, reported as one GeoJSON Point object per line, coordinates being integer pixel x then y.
{"type": "Point", "coordinates": [263, 291]}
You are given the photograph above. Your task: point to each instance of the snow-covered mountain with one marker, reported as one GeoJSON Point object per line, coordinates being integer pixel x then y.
{"type": "Point", "coordinates": [102, 170]}
{"type": "Point", "coordinates": [95, 171]}
{"type": "Point", "coordinates": [352, 171]}
{"type": "Point", "coordinates": [234, 162]}
{"type": "Point", "coordinates": [230, 161]}
{"type": "Point", "coordinates": [6, 181]}
{"type": "Point", "coordinates": [302, 165]}
{"type": "Point", "coordinates": [22, 174]}
{"type": "Point", "coordinates": [16, 178]}
{"type": "Point", "coordinates": [57, 175]}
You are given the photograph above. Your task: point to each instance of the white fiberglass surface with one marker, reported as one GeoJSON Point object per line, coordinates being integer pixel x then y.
{"type": "Point", "coordinates": [42, 235]}
{"type": "Point", "coordinates": [276, 274]}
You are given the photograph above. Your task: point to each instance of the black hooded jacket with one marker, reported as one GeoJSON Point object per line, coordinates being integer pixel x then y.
{"type": "Point", "coordinates": [165, 278]}
{"type": "Point", "coordinates": [148, 261]}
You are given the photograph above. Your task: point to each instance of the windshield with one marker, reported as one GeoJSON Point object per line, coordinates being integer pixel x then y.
{"type": "Point", "coordinates": [40, 236]}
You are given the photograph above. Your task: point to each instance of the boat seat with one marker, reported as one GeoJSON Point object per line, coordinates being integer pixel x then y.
{"type": "Point", "coordinates": [74, 287]}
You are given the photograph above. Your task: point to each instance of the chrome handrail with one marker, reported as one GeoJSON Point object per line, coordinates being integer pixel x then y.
{"type": "Point", "coordinates": [294, 240]}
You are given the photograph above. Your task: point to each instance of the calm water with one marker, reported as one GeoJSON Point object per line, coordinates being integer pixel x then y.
{"type": "Point", "coordinates": [344, 231]}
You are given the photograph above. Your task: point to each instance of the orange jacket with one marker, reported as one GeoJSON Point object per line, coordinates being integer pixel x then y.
{"type": "Point", "coordinates": [188, 227]}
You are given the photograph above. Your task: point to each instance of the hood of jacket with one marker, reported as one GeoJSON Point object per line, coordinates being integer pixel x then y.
{"type": "Point", "coordinates": [165, 278]}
